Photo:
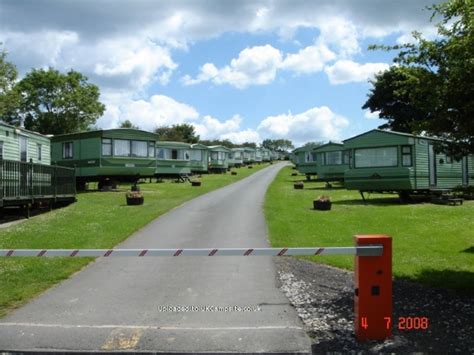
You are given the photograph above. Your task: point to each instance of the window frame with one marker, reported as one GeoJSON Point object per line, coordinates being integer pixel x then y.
{"type": "Point", "coordinates": [129, 148]}
{"type": "Point", "coordinates": [109, 144]}
{"type": "Point", "coordinates": [376, 166]}
{"type": "Point", "coordinates": [39, 151]}
{"type": "Point", "coordinates": [132, 154]}
{"type": "Point", "coordinates": [334, 151]}
{"type": "Point", "coordinates": [449, 159]}
{"type": "Point", "coordinates": [151, 145]}
{"type": "Point", "coordinates": [71, 155]}
{"type": "Point", "coordinates": [403, 154]}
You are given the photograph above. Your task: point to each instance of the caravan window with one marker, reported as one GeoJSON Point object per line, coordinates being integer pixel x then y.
{"type": "Point", "coordinates": [139, 149]}
{"type": "Point", "coordinates": [39, 151]}
{"type": "Point", "coordinates": [222, 155]}
{"type": "Point", "coordinates": [186, 155]}
{"type": "Point", "coordinates": [106, 147]}
{"type": "Point", "coordinates": [67, 150]}
{"type": "Point", "coordinates": [406, 156]}
{"type": "Point", "coordinates": [214, 155]}
{"type": "Point", "coordinates": [376, 157]}
{"type": "Point", "coordinates": [163, 153]}
{"type": "Point", "coordinates": [151, 149]}
{"type": "Point", "coordinates": [333, 158]}
{"type": "Point", "coordinates": [196, 155]}
{"type": "Point", "coordinates": [121, 148]}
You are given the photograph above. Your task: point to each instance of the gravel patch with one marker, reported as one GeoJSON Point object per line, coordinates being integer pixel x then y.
{"type": "Point", "coordinates": [323, 298]}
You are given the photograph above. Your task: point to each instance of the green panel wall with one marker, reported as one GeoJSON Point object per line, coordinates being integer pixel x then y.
{"type": "Point", "coordinates": [11, 144]}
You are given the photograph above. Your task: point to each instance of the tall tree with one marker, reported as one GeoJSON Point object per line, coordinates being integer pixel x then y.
{"type": "Point", "coordinates": [56, 103]}
{"type": "Point", "coordinates": [187, 132]}
{"type": "Point", "coordinates": [8, 97]}
{"type": "Point", "coordinates": [224, 142]}
{"type": "Point", "coordinates": [128, 124]}
{"type": "Point", "coordinates": [178, 133]}
{"type": "Point", "coordinates": [432, 88]}
{"type": "Point", "coordinates": [280, 145]}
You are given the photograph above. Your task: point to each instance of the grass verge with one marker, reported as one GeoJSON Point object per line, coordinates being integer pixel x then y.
{"type": "Point", "coordinates": [97, 220]}
{"type": "Point", "coordinates": [432, 244]}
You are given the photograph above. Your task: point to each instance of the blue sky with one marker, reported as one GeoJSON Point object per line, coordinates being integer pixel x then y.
{"type": "Point", "coordinates": [243, 70]}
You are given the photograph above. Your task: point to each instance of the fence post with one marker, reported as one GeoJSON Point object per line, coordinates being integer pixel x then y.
{"type": "Point", "coordinates": [373, 290]}
{"type": "Point", "coordinates": [30, 182]}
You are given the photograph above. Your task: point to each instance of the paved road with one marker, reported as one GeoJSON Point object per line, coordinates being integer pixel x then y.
{"type": "Point", "coordinates": [115, 303]}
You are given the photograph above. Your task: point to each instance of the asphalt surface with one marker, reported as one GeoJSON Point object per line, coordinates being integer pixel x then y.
{"type": "Point", "coordinates": [127, 303]}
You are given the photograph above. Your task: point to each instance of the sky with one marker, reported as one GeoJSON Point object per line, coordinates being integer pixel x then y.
{"type": "Point", "coordinates": [238, 70]}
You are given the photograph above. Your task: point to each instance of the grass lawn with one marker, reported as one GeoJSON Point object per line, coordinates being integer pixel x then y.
{"type": "Point", "coordinates": [97, 220]}
{"type": "Point", "coordinates": [432, 244]}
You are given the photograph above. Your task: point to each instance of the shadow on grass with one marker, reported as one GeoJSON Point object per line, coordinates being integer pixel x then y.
{"type": "Point", "coordinates": [468, 250]}
{"type": "Point", "coordinates": [323, 188]}
{"type": "Point", "coordinates": [460, 281]}
{"type": "Point", "coordinates": [386, 201]}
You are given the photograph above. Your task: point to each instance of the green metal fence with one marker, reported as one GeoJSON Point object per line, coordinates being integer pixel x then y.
{"type": "Point", "coordinates": [21, 180]}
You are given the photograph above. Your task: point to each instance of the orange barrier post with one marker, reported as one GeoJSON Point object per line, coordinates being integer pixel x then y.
{"type": "Point", "coordinates": [373, 290]}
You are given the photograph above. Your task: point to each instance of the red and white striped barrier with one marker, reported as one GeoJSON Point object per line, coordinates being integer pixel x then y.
{"type": "Point", "coordinates": [371, 250]}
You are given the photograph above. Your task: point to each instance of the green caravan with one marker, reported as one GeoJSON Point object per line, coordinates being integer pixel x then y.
{"type": "Point", "coordinates": [106, 156]}
{"type": "Point", "coordinates": [332, 161]}
{"type": "Point", "coordinates": [236, 157]}
{"type": "Point", "coordinates": [249, 156]}
{"type": "Point", "coordinates": [388, 161]}
{"type": "Point", "coordinates": [199, 159]}
{"type": "Point", "coordinates": [26, 174]}
{"type": "Point", "coordinates": [258, 155]}
{"type": "Point", "coordinates": [305, 160]}
{"type": "Point", "coordinates": [219, 158]}
{"type": "Point", "coordinates": [173, 160]}
{"type": "Point", "coordinates": [266, 155]}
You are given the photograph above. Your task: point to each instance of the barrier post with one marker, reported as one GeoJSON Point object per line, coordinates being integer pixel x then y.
{"type": "Point", "coordinates": [373, 290]}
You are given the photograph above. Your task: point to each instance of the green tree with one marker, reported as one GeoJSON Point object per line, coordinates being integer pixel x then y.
{"type": "Point", "coordinates": [432, 88]}
{"type": "Point", "coordinates": [178, 133]}
{"type": "Point", "coordinates": [225, 142]}
{"type": "Point", "coordinates": [187, 132]}
{"type": "Point", "coordinates": [279, 145]}
{"type": "Point", "coordinates": [56, 103]}
{"type": "Point", "coordinates": [128, 124]}
{"type": "Point", "coordinates": [9, 98]}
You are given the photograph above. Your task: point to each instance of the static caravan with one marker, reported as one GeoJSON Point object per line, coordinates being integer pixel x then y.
{"type": "Point", "coordinates": [258, 155]}
{"type": "Point", "coordinates": [237, 157]}
{"type": "Point", "coordinates": [266, 155]}
{"type": "Point", "coordinates": [199, 158]}
{"type": "Point", "coordinates": [332, 161]}
{"type": "Point", "coordinates": [305, 160]}
{"type": "Point", "coordinates": [173, 159]}
{"type": "Point", "coordinates": [219, 158]}
{"type": "Point", "coordinates": [249, 155]}
{"type": "Point", "coordinates": [387, 161]}
{"type": "Point", "coordinates": [26, 176]}
{"type": "Point", "coordinates": [106, 156]}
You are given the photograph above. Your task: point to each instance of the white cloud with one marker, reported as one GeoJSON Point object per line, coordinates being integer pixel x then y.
{"type": "Point", "coordinates": [239, 137]}
{"type": "Point", "coordinates": [371, 115]}
{"type": "Point", "coordinates": [315, 124]}
{"type": "Point", "coordinates": [346, 71]}
{"type": "Point", "coordinates": [254, 66]}
{"type": "Point", "coordinates": [137, 61]}
{"type": "Point", "coordinates": [162, 110]}
{"type": "Point", "coordinates": [159, 110]}
{"type": "Point", "coordinates": [341, 34]}
{"type": "Point", "coordinates": [309, 59]}
{"type": "Point", "coordinates": [42, 49]}
{"type": "Point", "coordinates": [211, 128]}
